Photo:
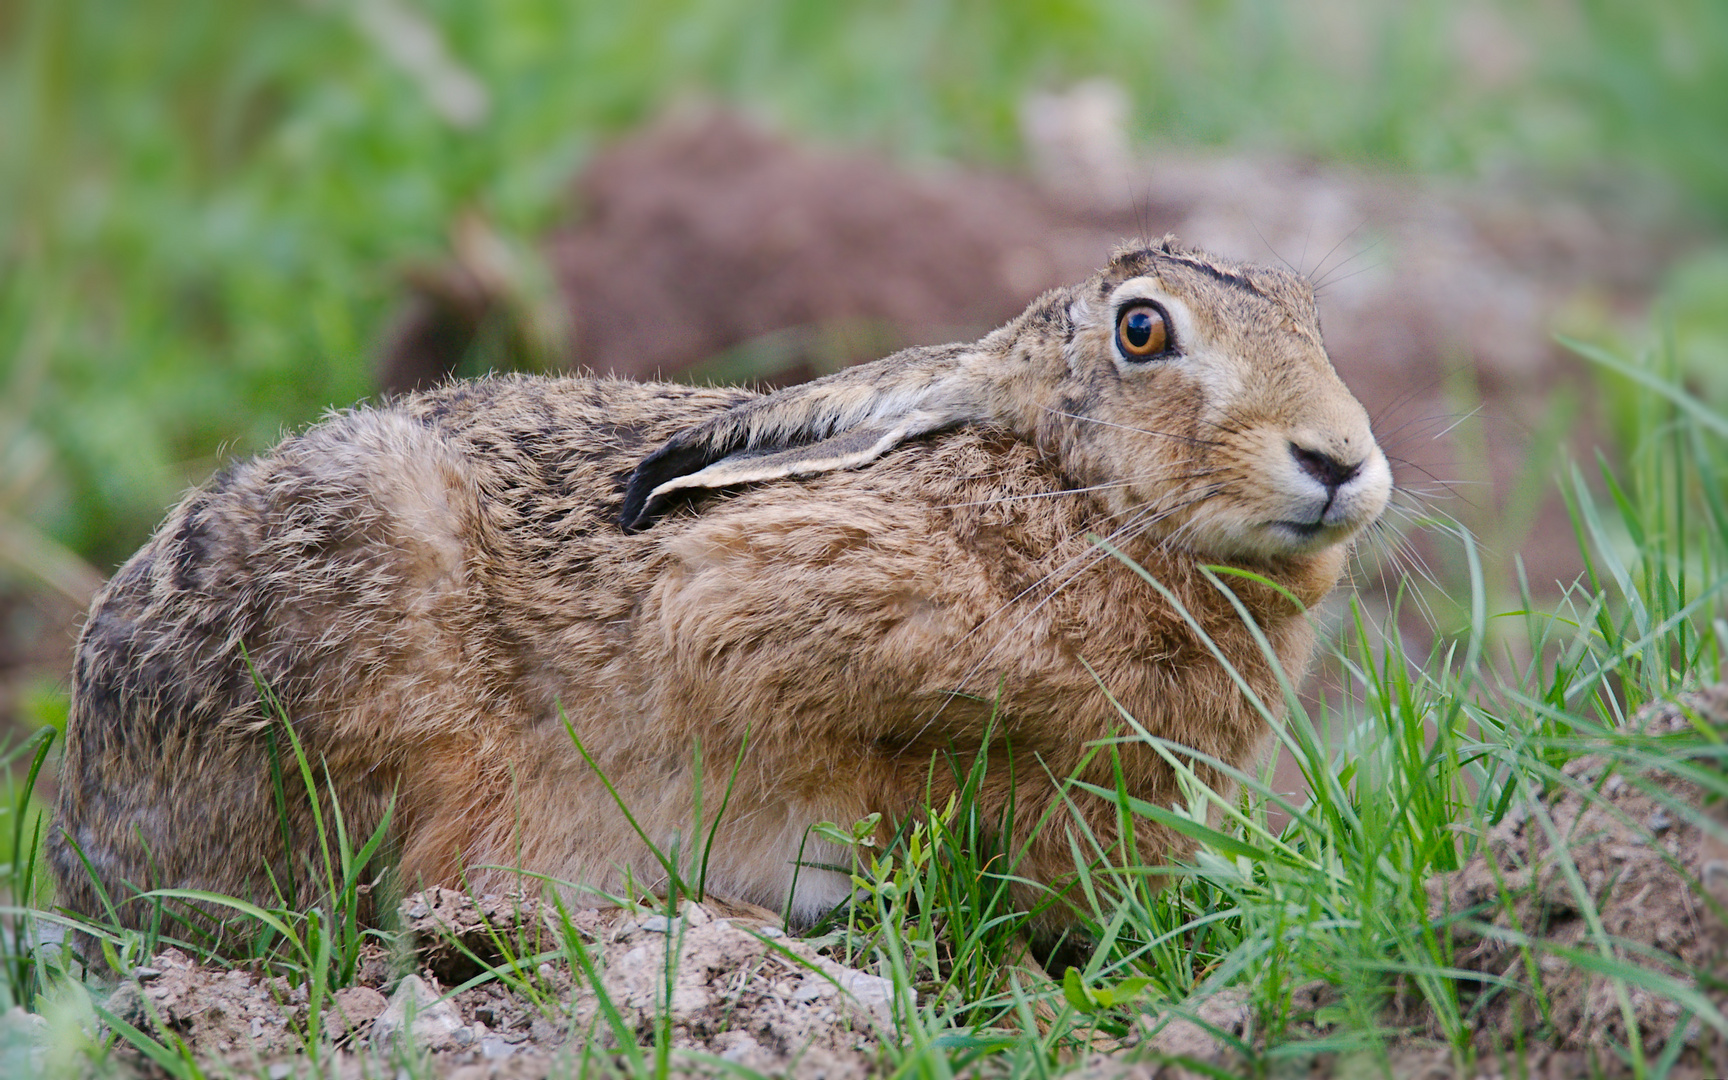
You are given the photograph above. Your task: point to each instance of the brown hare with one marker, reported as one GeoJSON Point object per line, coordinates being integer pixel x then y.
{"type": "Point", "coordinates": [828, 584]}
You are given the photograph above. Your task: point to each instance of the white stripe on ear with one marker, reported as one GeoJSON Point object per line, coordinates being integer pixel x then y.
{"type": "Point", "coordinates": [847, 450]}
{"type": "Point", "coordinates": [844, 421]}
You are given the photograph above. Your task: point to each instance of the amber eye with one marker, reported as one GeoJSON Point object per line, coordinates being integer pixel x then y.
{"type": "Point", "coordinates": [1141, 332]}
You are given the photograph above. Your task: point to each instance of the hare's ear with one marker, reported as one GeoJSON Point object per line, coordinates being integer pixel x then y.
{"type": "Point", "coordinates": [843, 421]}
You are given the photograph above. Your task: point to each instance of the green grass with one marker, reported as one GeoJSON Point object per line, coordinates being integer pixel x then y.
{"type": "Point", "coordinates": [204, 212]}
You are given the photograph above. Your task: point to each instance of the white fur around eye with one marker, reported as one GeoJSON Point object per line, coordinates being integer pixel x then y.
{"type": "Point", "coordinates": [1217, 373]}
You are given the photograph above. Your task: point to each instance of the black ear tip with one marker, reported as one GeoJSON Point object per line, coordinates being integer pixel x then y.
{"type": "Point", "coordinates": [678, 457]}
{"type": "Point", "coordinates": [633, 517]}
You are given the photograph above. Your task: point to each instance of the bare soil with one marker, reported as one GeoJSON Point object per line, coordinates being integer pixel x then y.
{"type": "Point", "coordinates": [1608, 855]}
{"type": "Point", "coordinates": [739, 992]}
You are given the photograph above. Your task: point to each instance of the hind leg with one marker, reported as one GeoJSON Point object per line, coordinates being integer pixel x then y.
{"type": "Point", "coordinates": [330, 573]}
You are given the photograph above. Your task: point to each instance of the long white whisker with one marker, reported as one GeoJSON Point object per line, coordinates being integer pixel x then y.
{"type": "Point", "coordinates": [1126, 427]}
{"type": "Point", "coordinates": [1069, 573]}
{"type": "Point", "coordinates": [1449, 428]}
{"type": "Point", "coordinates": [1080, 490]}
{"type": "Point", "coordinates": [1334, 250]}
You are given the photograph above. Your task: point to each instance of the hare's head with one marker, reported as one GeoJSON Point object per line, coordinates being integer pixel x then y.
{"type": "Point", "coordinates": [1192, 395]}
{"type": "Point", "coordinates": [1200, 391]}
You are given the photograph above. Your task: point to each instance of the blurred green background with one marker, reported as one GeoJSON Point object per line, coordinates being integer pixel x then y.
{"type": "Point", "coordinates": [206, 207]}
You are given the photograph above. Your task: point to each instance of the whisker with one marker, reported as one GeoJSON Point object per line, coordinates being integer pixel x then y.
{"type": "Point", "coordinates": [1235, 428]}
{"type": "Point", "coordinates": [1080, 490]}
{"type": "Point", "coordinates": [1268, 244]}
{"type": "Point", "coordinates": [1321, 290]}
{"type": "Point", "coordinates": [1453, 426]}
{"type": "Point", "coordinates": [1144, 517]}
{"type": "Point", "coordinates": [1328, 279]}
{"type": "Point", "coordinates": [1402, 558]}
{"type": "Point", "coordinates": [1126, 427]}
{"type": "Point", "coordinates": [1413, 428]}
{"type": "Point", "coordinates": [1404, 554]}
{"type": "Point", "coordinates": [1451, 486]}
{"type": "Point", "coordinates": [1333, 250]}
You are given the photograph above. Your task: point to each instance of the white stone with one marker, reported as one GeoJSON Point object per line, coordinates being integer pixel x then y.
{"type": "Point", "coordinates": [415, 1009]}
{"type": "Point", "coordinates": [873, 994]}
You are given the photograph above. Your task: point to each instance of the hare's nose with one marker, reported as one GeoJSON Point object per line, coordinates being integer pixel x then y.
{"type": "Point", "coordinates": [1323, 467]}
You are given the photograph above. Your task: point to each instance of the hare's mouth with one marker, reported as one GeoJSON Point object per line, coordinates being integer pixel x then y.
{"type": "Point", "coordinates": [1312, 535]}
{"type": "Point", "coordinates": [1303, 529]}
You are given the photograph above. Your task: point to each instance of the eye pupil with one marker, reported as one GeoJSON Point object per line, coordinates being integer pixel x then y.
{"type": "Point", "coordinates": [1141, 333]}
{"type": "Point", "coordinates": [1139, 329]}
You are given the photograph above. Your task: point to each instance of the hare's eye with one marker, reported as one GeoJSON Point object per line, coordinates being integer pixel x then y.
{"type": "Point", "coordinates": [1141, 332]}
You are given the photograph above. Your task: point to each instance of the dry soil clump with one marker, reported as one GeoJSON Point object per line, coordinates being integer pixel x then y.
{"type": "Point", "coordinates": [733, 989]}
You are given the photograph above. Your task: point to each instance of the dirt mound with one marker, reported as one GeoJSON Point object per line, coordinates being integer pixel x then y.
{"type": "Point", "coordinates": [705, 233]}
{"type": "Point", "coordinates": [734, 988]}
{"type": "Point", "coordinates": [1609, 855]}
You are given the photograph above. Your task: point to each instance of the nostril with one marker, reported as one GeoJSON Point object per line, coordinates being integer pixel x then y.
{"type": "Point", "coordinates": [1323, 466]}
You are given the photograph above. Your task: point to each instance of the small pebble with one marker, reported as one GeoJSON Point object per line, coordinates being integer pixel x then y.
{"type": "Point", "coordinates": [811, 989]}
{"type": "Point", "coordinates": [359, 1005]}
{"type": "Point", "coordinates": [145, 974]}
{"type": "Point", "coordinates": [1658, 821]}
{"type": "Point", "coordinates": [741, 1049]}
{"type": "Point", "coordinates": [436, 1024]}
{"type": "Point", "coordinates": [128, 1003]}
